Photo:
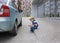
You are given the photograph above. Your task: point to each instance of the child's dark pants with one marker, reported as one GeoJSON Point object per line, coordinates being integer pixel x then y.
{"type": "Point", "coordinates": [32, 29]}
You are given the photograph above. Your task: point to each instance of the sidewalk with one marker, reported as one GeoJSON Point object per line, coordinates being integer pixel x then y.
{"type": "Point", "coordinates": [48, 31]}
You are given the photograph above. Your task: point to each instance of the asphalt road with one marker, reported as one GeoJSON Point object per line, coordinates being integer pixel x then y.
{"type": "Point", "coordinates": [24, 35]}
{"type": "Point", "coordinates": [48, 32]}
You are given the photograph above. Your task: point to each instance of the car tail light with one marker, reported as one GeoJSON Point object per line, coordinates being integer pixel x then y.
{"type": "Point", "coordinates": [4, 11]}
{"type": "Point", "coordinates": [1, 11]}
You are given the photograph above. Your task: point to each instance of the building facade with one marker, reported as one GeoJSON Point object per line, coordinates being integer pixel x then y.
{"type": "Point", "coordinates": [46, 8]}
{"type": "Point", "coordinates": [26, 7]}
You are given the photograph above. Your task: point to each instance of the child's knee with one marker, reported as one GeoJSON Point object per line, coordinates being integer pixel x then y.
{"type": "Point", "coordinates": [32, 30]}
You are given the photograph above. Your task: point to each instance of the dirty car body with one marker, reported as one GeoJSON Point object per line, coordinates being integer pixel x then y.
{"type": "Point", "coordinates": [9, 15]}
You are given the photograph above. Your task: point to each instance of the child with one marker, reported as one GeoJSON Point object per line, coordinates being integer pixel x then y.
{"type": "Point", "coordinates": [34, 24]}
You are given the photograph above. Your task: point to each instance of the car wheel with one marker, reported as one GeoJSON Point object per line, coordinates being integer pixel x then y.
{"type": "Point", "coordinates": [14, 31]}
{"type": "Point", "coordinates": [21, 23]}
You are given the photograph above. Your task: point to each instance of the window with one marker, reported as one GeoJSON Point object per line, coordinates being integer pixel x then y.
{"type": "Point", "coordinates": [58, 8]}
{"type": "Point", "coordinates": [3, 1]}
{"type": "Point", "coordinates": [52, 8]}
{"type": "Point", "coordinates": [13, 3]}
{"type": "Point", "coordinates": [47, 8]}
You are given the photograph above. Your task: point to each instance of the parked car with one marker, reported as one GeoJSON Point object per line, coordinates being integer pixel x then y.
{"type": "Point", "coordinates": [10, 18]}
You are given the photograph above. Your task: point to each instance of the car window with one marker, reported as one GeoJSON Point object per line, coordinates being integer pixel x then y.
{"type": "Point", "coordinates": [13, 3]}
{"type": "Point", "coordinates": [3, 1]}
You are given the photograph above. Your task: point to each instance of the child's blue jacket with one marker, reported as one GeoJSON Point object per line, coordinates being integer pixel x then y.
{"type": "Point", "coordinates": [34, 22]}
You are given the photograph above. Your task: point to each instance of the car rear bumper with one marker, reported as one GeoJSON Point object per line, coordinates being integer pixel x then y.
{"type": "Point", "coordinates": [5, 24]}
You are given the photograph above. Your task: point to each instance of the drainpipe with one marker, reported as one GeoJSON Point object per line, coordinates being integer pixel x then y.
{"type": "Point", "coordinates": [44, 10]}
{"type": "Point", "coordinates": [50, 8]}
{"type": "Point", "coordinates": [37, 10]}
{"type": "Point", "coordinates": [56, 7]}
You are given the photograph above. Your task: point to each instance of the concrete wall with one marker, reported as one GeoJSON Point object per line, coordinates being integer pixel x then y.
{"type": "Point", "coordinates": [40, 11]}
{"type": "Point", "coordinates": [37, 11]}
{"type": "Point", "coordinates": [34, 11]}
{"type": "Point", "coordinates": [46, 8]}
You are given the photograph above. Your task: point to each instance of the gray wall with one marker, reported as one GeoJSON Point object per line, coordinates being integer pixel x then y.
{"type": "Point", "coordinates": [47, 8]}
{"type": "Point", "coordinates": [40, 11]}
{"type": "Point", "coordinates": [34, 11]}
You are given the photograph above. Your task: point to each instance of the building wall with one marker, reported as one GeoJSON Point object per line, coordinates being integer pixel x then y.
{"type": "Point", "coordinates": [26, 7]}
{"type": "Point", "coordinates": [34, 10]}
{"type": "Point", "coordinates": [40, 11]}
{"type": "Point", "coordinates": [48, 8]}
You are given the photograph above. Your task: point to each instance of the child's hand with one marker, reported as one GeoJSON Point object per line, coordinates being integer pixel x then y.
{"type": "Point", "coordinates": [29, 25]}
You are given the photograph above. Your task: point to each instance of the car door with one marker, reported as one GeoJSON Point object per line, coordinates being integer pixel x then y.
{"type": "Point", "coordinates": [14, 11]}
{"type": "Point", "coordinates": [18, 14]}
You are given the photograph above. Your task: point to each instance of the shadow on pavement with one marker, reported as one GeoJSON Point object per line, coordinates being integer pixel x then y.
{"type": "Point", "coordinates": [5, 36]}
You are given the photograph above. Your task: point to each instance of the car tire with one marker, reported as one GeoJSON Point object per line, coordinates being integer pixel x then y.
{"type": "Point", "coordinates": [14, 31]}
{"type": "Point", "coordinates": [21, 23]}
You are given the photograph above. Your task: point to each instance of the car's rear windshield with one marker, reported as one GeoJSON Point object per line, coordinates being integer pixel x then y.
{"type": "Point", "coordinates": [3, 1]}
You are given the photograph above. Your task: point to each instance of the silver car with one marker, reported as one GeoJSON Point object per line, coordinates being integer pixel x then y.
{"type": "Point", "coordinates": [10, 18]}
